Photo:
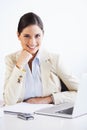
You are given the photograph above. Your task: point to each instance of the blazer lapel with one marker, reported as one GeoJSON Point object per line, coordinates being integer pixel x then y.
{"type": "Point", "coordinates": [45, 71]}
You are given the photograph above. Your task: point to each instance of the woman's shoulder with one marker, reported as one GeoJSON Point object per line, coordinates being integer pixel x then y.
{"type": "Point", "coordinates": [12, 56]}
{"type": "Point", "coordinates": [50, 54]}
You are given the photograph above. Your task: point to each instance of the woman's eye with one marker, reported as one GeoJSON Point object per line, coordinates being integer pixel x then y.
{"type": "Point", "coordinates": [37, 36]}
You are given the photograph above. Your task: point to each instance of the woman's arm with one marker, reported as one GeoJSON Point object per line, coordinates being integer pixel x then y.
{"type": "Point", "coordinates": [71, 82]}
{"type": "Point", "coordinates": [13, 83]}
{"type": "Point", "coordinates": [40, 100]}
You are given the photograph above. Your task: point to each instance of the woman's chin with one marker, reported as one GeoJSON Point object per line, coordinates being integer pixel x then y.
{"type": "Point", "coordinates": [34, 52]}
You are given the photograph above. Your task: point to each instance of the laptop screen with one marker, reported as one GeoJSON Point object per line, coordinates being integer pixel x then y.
{"type": "Point", "coordinates": [66, 111]}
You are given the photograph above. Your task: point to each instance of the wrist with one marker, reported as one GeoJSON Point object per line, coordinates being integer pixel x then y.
{"type": "Point", "coordinates": [19, 67]}
{"type": "Point", "coordinates": [50, 99]}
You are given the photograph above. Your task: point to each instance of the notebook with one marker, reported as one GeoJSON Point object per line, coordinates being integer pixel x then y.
{"type": "Point", "coordinates": [70, 110]}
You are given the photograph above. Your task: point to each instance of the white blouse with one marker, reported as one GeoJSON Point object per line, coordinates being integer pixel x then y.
{"type": "Point", "coordinates": [33, 83]}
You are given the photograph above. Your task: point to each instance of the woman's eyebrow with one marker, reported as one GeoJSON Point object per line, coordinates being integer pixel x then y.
{"type": "Point", "coordinates": [26, 34]}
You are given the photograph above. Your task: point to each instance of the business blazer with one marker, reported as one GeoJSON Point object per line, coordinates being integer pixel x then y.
{"type": "Point", "coordinates": [52, 70]}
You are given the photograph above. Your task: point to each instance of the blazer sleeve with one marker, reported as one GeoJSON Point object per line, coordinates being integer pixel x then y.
{"type": "Point", "coordinates": [71, 82]}
{"type": "Point", "coordinates": [13, 84]}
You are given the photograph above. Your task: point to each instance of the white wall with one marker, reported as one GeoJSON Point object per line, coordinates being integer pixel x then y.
{"type": "Point", "coordinates": [65, 24]}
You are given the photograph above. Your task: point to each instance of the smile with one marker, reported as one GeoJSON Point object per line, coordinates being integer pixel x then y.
{"type": "Point", "coordinates": [31, 47]}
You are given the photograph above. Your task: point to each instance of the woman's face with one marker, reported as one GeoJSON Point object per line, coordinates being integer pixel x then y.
{"type": "Point", "coordinates": [31, 38]}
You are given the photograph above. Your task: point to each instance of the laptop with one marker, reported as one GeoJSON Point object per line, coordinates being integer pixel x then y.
{"type": "Point", "coordinates": [70, 110]}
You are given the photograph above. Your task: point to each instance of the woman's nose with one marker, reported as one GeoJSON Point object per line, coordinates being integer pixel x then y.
{"type": "Point", "coordinates": [32, 41]}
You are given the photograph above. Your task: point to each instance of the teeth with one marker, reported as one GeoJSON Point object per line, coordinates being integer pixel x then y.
{"type": "Point", "coordinates": [32, 47]}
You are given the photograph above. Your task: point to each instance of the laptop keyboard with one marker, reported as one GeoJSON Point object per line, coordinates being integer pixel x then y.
{"type": "Point", "coordinates": [66, 111]}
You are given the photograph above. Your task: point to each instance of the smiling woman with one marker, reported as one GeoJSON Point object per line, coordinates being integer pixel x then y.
{"type": "Point", "coordinates": [34, 75]}
{"type": "Point", "coordinates": [31, 38]}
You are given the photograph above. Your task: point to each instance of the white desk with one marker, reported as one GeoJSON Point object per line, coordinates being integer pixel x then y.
{"type": "Point", "coordinates": [11, 122]}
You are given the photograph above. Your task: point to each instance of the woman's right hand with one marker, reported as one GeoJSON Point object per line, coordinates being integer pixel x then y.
{"type": "Point", "coordinates": [23, 59]}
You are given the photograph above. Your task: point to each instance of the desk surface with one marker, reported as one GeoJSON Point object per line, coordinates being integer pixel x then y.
{"type": "Point", "coordinates": [11, 122]}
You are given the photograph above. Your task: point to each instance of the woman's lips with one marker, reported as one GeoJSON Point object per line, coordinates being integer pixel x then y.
{"type": "Point", "coordinates": [31, 47]}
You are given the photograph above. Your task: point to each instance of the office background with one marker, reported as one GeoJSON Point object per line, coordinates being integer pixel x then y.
{"type": "Point", "coordinates": [65, 25]}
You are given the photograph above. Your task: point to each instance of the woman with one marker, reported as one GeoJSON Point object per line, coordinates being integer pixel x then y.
{"type": "Point", "coordinates": [34, 75]}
